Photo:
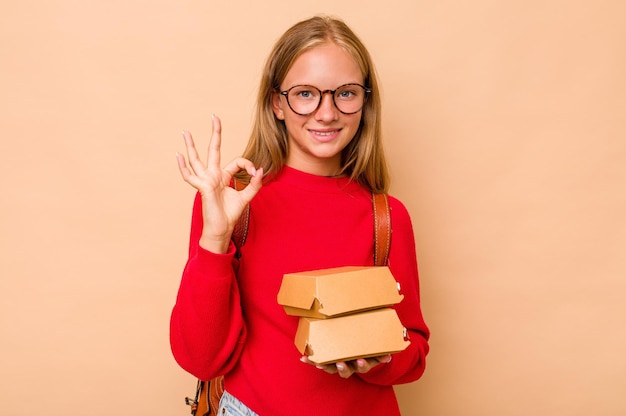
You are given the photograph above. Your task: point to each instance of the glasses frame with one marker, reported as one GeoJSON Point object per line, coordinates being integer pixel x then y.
{"type": "Point", "coordinates": [285, 93]}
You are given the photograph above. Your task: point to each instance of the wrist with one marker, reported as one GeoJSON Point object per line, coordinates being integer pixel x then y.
{"type": "Point", "coordinates": [214, 245]}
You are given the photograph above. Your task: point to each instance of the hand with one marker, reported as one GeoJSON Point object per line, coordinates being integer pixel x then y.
{"type": "Point", "coordinates": [221, 204]}
{"type": "Point", "coordinates": [346, 368]}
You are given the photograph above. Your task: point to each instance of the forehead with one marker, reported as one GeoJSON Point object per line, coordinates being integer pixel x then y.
{"type": "Point", "coordinates": [325, 66]}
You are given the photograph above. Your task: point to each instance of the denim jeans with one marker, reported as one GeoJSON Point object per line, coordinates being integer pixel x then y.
{"type": "Point", "coordinates": [231, 406]}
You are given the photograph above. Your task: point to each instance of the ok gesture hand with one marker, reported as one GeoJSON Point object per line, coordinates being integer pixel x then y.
{"type": "Point", "coordinates": [221, 204]}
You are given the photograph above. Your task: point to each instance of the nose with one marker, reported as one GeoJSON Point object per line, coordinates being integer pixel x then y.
{"type": "Point", "coordinates": [327, 110]}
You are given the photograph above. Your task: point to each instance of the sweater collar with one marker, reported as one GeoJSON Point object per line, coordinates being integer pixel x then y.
{"type": "Point", "coordinates": [308, 181]}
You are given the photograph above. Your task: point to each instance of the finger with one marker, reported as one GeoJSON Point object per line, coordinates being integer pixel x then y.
{"type": "Point", "coordinates": [187, 175]}
{"type": "Point", "coordinates": [363, 366]}
{"type": "Point", "coordinates": [329, 368]}
{"type": "Point", "coordinates": [306, 360]}
{"type": "Point", "coordinates": [256, 180]}
{"type": "Point", "coordinates": [250, 191]}
{"type": "Point", "coordinates": [344, 370]}
{"type": "Point", "coordinates": [384, 359]}
{"type": "Point", "coordinates": [182, 166]}
{"type": "Point", "coordinates": [240, 164]}
{"type": "Point", "coordinates": [325, 367]}
{"type": "Point", "coordinates": [192, 154]}
{"type": "Point", "coordinates": [214, 158]}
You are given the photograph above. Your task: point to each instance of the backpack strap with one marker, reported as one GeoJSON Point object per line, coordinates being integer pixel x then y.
{"type": "Point", "coordinates": [382, 229]}
{"type": "Point", "coordinates": [240, 232]}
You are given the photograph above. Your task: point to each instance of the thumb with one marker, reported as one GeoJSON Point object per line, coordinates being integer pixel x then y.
{"type": "Point", "coordinates": [255, 185]}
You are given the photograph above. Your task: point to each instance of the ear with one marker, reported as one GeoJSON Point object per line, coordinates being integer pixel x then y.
{"type": "Point", "coordinates": [277, 106]}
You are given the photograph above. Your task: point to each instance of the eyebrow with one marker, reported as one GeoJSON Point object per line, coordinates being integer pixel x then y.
{"type": "Point", "coordinates": [322, 89]}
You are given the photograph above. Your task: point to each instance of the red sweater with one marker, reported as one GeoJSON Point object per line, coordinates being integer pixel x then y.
{"type": "Point", "coordinates": [227, 321]}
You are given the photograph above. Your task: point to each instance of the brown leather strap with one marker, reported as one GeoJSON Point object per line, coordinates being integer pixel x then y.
{"type": "Point", "coordinates": [216, 390]}
{"type": "Point", "coordinates": [208, 397]}
{"type": "Point", "coordinates": [240, 232]}
{"type": "Point", "coordinates": [382, 229]}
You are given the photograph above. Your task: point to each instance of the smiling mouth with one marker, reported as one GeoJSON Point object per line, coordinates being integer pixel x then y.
{"type": "Point", "coordinates": [325, 132]}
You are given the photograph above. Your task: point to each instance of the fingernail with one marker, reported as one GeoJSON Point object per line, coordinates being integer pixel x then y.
{"type": "Point", "coordinates": [341, 367]}
{"type": "Point", "coordinates": [212, 117]}
{"type": "Point", "coordinates": [303, 359]}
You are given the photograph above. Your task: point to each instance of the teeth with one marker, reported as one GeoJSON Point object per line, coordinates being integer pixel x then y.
{"type": "Point", "coordinates": [324, 133]}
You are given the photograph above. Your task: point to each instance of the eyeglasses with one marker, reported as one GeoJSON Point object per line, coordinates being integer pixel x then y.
{"type": "Point", "coordinates": [306, 99]}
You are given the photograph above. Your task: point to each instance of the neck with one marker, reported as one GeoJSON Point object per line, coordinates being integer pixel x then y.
{"type": "Point", "coordinates": [326, 168]}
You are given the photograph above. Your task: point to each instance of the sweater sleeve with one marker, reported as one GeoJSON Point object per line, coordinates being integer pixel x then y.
{"type": "Point", "coordinates": [408, 365]}
{"type": "Point", "coordinates": [207, 329]}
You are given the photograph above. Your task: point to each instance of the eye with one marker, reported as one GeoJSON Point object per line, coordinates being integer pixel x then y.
{"type": "Point", "coordinates": [348, 92]}
{"type": "Point", "coordinates": [304, 92]}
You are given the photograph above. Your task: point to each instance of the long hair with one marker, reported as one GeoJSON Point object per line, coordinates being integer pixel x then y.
{"type": "Point", "coordinates": [363, 158]}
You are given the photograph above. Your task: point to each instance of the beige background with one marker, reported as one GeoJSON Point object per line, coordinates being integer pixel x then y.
{"type": "Point", "coordinates": [505, 130]}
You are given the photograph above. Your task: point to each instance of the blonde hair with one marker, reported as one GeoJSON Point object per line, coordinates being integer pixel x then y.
{"type": "Point", "coordinates": [363, 158]}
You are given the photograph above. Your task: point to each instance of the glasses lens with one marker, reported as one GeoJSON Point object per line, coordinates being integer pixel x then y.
{"type": "Point", "coordinates": [304, 99]}
{"type": "Point", "coordinates": [349, 98]}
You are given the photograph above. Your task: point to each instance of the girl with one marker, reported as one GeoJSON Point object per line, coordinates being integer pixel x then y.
{"type": "Point", "coordinates": [312, 162]}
